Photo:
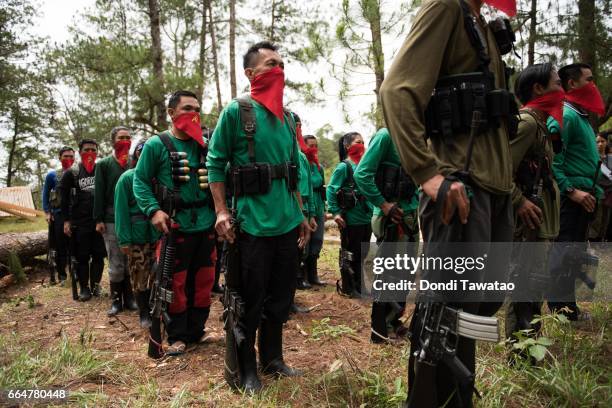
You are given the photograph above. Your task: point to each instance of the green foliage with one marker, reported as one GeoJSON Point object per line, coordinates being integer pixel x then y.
{"type": "Point", "coordinates": [14, 267]}
{"type": "Point", "coordinates": [322, 329]}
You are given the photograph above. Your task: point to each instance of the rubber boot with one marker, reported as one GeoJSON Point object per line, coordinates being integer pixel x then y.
{"type": "Point", "coordinates": [116, 305]}
{"type": "Point", "coordinates": [143, 308]}
{"type": "Point", "coordinates": [95, 275]}
{"type": "Point", "coordinates": [83, 272]}
{"type": "Point", "coordinates": [249, 380]}
{"type": "Point", "coordinates": [302, 283]}
{"type": "Point", "coordinates": [379, 323]}
{"type": "Point", "coordinates": [129, 303]}
{"type": "Point", "coordinates": [52, 280]}
{"type": "Point", "coordinates": [61, 270]}
{"type": "Point", "coordinates": [271, 350]}
{"type": "Point", "coordinates": [312, 273]}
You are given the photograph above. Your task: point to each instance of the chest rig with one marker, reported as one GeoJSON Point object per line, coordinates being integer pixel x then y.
{"type": "Point", "coordinates": [456, 97]}
{"type": "Point", "coordinates": [257, 177]}
{"type": "Point", "coordinates": [393, 183]}
{"type": "Point", "coordinates": [349, 197]}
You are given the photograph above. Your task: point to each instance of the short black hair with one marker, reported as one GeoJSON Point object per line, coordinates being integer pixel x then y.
{"type": "Point", "coordinates": [65, 149]}
{"type": "Point", "coordinates": [116, 130]}
{"type": "Point", "coordinates": [308, 137]}
{"type": "Point", "coordinates": [175, 98]}
{"type": "Point", "coordinates": [527, 78]}
{"type": "Point", "coordinates": [248, 60]}
{"type": "Point", "coordinates": [571, 71]}
{"type": "Point", "coordinates": [344, 143]}
{"type": "Point", "coordinates": [87, 141]}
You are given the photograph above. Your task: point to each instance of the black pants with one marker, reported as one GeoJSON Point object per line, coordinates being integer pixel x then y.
{"type": "Point", "coordinates": [88, 245]}
{"type": "Point", "coordinates": [490, 220]}
{"type": "Point", "coordinates": [192, 282]}
{"type": "Point", "coordinates": [565, 262]}
{"type": "Point", "coordinates": [268, 277]}
{"type": "Point", "coordinates": [352, 238]}
{"type": "Point", "coordinates": [59, 242]}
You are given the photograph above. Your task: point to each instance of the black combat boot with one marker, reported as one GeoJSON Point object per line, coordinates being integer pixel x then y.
{"type": "Point", "coordinates": [271, 350]}
{"type": "Point", "coordinates": [129, 302]}
{"type": "Point", "coordinates": [85, 293]}
{"type": "Point", "coordinates": [143, 307]}
{"type": "Point", "coordinates": [116, 306]}
{"type": "Point", "coordinates": [379, 323]}
{"type": "Point", "coordinates": [61, 270]}
{"type": "Point", "coordinates": [249, 380]}
{"type": "Point", "coordinates": [311, 270]}
{"type": "Point", "coordinates": [302, 283]}
{"type": "Point", "coordinates": [95, 276]}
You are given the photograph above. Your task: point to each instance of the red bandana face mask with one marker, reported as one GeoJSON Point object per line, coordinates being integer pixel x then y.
{"type": "Point", "coordinates": [312, 154]}
{"type": "Point", "coordinates": [67, 163]}
{"type": "Point", "coordinates": [89, 160]}
{"type": "Point", "coordinates": [355, 152]}
{"type": "Point", "coordinates": [267, 89]}
{"type": "Point", "coordinates": [550, 103]}
{"type": "Point", "coordinates": [587, 97]}
{"type": "Point", "coordinates": [122, 151]}
{"type": "Point", "coordinates": [189, 123]}
{"type": "Point", "coordinates": [507, 6]}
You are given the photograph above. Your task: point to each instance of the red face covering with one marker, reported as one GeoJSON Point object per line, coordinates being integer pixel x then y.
{"type": "Point", "coordinates": [312, 154]}
{"type": "Point", "coordinates": [122, 151]}
{"type": "Point", "coordinates": [507, 6]}
{"type": "Point", "coordinates": [189, 122]}
{"type": "Point", "coordinates": [67, 163]}
{"type": "Point", "coordinates": [550, 103]}
{"type": "Point", "coordinates": [89, 160]}
{"type": "Point", "coordinates": [587, 97]}
{"type": "Point", "coordinates": [267, 88]}
{"type": "Point", "coordinates": [355, 152]}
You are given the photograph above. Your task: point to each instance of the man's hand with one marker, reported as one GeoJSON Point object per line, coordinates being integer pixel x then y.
{"type": "Point", "coordinates": [125, 250]}
{"type": "Point", "coordinates": [100, 227]}
{"type": "Point", "coordinates": [224, 226]}
{"type": "Point", "coordinates": [530, 214]}
{"type": "Point", "coordinates": [431, 186]}
{"type": "Point", "coordinates": [161, 221]}
{"type": "Point", "coordinates": [67, 230]}
{"type": "Point", "coordinates": [586, 200]}
{"type": "Point", "coordinates": [313, 224]}
{"type": "Point", "coordinates": [304, 230]}
{"type": "Point", "coordinates": [456, 198]}
{"type": "Point", "coordinates": [48, 217]}
{"type": "Point", "coordinates": [396, 215]}
{"type": "Point", "coordinates": [340, 221]}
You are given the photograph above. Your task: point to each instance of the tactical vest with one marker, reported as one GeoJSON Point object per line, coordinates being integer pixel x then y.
{"type": "Point", "coordinates": [348, 198]}
{"type": "Point", "coordinates": [55, 199]}
{"type": "Point", "coordinates": [394, 184]}
{"type": "Point", "coordinates": [256, 177]}
{"type": "Point", "coordinates": [456, 97]}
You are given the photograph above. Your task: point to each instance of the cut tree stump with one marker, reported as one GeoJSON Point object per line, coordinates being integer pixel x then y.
{"type": "Point", "coordinates": [26, 245]}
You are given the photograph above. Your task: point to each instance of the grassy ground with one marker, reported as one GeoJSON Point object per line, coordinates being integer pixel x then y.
{"type": "Point", "coordinates": [15, 224]}
{"type": "Point", "coordinates": [49, 341]}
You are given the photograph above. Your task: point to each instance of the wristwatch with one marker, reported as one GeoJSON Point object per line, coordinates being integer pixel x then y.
{"type": "Point", "coordinates": [569, 190]}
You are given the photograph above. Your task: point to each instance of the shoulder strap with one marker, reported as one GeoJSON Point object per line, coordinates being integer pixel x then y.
{"type": "Point", "coordinates": [247, 119]}
{"type": "Point", "coordinates": [167, 142]}
{"type": "Point", "coordinates": [476, 39]}
{"type": "Point", "coordinates": [349, 173]}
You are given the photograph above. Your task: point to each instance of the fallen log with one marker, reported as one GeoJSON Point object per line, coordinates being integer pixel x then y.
{"type": "Point", "coordinates": [26, 245]}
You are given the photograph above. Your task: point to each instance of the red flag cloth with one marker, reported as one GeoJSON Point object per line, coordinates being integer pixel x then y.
{"type": "Point", "coordinates": [550, 103]}
{"type": "Point", "coordinates": [189, 122]}
{"type": "Point", "coordinates": [67, 163]}
{"type": "Point", "coordinates": [122, 151]}
{"type": "Point", "coordinates": [587, 97]}
{"type": "Point", "coordinates": [267, 88]}
{"type": "Point", "coordinates": [89, 160]}
{"type": "Point", "coordinates": [355, 152]}
{"type": "Point", "coordinates": [507, 6]}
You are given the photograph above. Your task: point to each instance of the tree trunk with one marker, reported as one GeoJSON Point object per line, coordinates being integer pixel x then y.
{"type": "Point", "coordinates": [232, 47]}
{"type": "Point", "coordinates": [26, 245]}
{"type": "Point", "coordinates": [371, 12]}
{"type": "Point", "coordinates": [272, 21]}
{"type": "Point", "coordinates": [11, 158]}
{"type": "Point", "coordinates": [213, 40]}
{"type": "Point", "coordinates": [158, 65]}
{"type": "Point", "coordinates": [533, 16]}
{"type": "Point", "coordinates": [586, 33]}
{"type": "Point", "coordinates": [202, 56]}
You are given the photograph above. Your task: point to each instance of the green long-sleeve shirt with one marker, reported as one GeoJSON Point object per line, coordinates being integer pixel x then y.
{"type": "Point", "coordinates": [318, 180]}
{"type": "Point", "coordinates": [532, 140]}
{"type": "Point", "coordinates": [154, 163]}
{"type": "Point", "coordinates": [381, 151]}
{"type": "Point", "coordinates": [577, 162]}
{"type": "Point", "coordinates": [277, 211]}
{"type": "Point", "coordinates": [108, 172]}
{"type": "Point", "coordinates": [438, 45]}
{"type": "Point", "coordinates": [361, 214]}
{"type": "Point", "coordinates": [305, 186]}
{"type": "Point", "coordinates": [131, 225]}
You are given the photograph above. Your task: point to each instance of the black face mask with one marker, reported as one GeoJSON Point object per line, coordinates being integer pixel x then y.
{"type": "Point", "coordinates": [504, 36]}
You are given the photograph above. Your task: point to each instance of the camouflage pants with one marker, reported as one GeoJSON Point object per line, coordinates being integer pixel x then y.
{"type": "Point", "coordinates": [140, 264]}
